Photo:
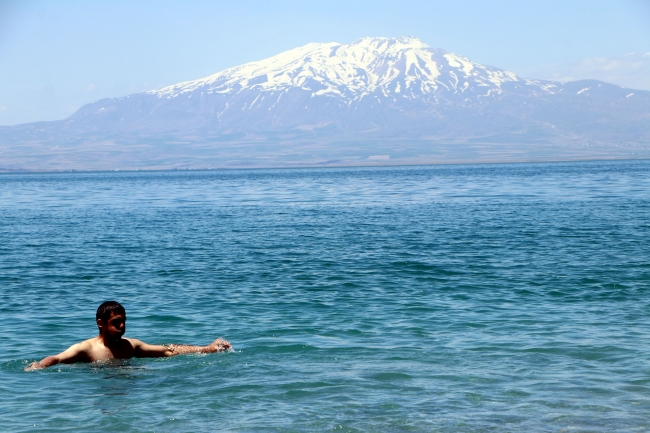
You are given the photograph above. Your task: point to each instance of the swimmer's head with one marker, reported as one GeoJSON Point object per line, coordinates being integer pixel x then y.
{"type": "Point", "coordinates": [107, 309]}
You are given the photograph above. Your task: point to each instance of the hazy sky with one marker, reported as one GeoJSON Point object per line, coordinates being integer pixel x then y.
{"type": "Point", "coordinates": [56, 56]}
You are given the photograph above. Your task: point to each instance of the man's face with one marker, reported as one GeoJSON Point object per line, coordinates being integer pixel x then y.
{"type": "Point", "coordinates": [115, 326]}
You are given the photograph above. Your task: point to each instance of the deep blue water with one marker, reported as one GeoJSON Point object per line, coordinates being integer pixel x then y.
{"type": "Point", "coordinates": [446, 298]}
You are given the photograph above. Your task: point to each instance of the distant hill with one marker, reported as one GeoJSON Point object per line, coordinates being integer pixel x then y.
{"type": "Point", "coordinates": [377, 100]}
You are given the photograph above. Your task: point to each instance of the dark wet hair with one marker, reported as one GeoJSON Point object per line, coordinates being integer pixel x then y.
{"type": "Point", "coordinates": [107, 308]}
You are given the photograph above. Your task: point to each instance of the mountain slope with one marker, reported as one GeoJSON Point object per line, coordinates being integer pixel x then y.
{"type": "Point", "coordinates": [402, 66]}
{"type": "Point", "coordinates": [320, 83]}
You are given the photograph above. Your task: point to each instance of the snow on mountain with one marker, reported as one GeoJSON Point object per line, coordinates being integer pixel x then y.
{"type": "Point", "coordinates": [405, 67]}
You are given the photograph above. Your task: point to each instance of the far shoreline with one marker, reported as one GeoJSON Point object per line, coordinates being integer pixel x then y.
{"type": "Point", "coordinates": [324, 165]}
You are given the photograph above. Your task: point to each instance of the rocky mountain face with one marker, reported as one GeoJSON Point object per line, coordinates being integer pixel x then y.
{"type": "Point", "coordinates": [372, 89]}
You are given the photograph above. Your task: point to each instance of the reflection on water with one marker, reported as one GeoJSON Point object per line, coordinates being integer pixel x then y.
{"type": "Point", "coordinates": [118, 380]}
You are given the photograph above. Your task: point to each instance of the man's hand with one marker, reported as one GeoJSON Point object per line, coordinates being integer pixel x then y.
{"type": "Point", "coordinates": [220, 345]}
{"type": "Point", "coordinates": [34, 366]}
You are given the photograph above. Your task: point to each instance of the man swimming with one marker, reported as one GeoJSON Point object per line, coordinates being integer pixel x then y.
{"type": "Point", "coordinates": [109, 344]}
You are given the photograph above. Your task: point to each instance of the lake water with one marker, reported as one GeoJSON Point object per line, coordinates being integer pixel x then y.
{"type": "Point", "coordinates": [465, 298]}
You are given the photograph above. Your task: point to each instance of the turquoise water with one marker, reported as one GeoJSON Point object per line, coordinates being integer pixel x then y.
{"type": "Point", "coordinates": [444, 298]}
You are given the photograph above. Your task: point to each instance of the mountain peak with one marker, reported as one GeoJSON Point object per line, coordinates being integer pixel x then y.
{"type": "Point", "coordinates": [402, 42]}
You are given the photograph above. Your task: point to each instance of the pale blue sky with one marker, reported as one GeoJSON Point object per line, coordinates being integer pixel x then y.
{"type": "Point", "coordinates": [58, 55]}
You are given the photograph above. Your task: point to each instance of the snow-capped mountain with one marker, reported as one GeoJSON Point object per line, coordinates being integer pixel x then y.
{"type": "Point", "coordinates": [333, 101]}
{"type": "Point", "coordinates": [403, 67]}
{"type": "Point", "coordinates": [396, 85]}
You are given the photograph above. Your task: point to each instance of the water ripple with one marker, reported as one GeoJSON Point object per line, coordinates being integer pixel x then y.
{"type": "Point", "coordinates": [456, 298]}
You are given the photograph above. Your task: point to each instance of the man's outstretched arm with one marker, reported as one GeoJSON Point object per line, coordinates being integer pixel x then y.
{"type": "Point", "coordinates": [144, 350]}
{"type": "Point", "coordinates": [74, 353]}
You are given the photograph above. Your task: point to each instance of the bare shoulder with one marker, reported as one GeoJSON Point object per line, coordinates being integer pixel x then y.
{"type": "Point", "coordinates": [134, 342]}
{"type": "Point", "coordinates": [77, 352]}
{"type": "Point", "coordinates": [86, 344]}
{"type": "Point", "coordinates": [144, 350]}
{"type": "Point", "coordinates": [82, 346]}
